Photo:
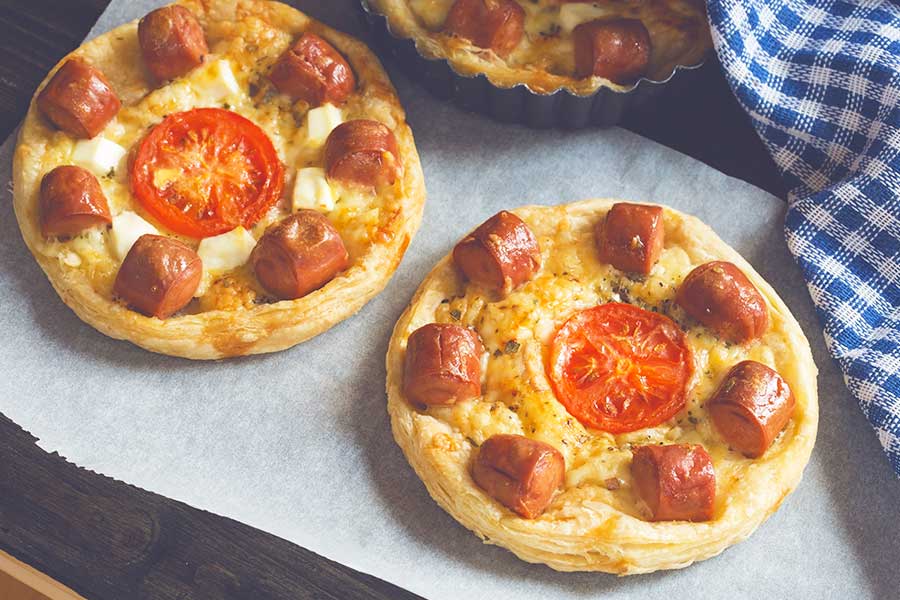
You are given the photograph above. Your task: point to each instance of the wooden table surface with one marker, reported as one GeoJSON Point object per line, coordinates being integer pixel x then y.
{"type": "Point", "coordinates": [110, 541]}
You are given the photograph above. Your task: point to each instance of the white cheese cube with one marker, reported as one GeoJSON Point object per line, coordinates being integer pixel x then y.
{"type": "Point", "coordinates": [220, 82]}
{"type": "Point", "coordinates": [320, 122]}
{"type": "Point", "coordinates": [227, 250]}
{"type": "Point", "coordinates": [70, 259]}
{"type": "Point", "coordinates": [222, 253]}
{"type": "Point", "coordinates": [573, 15]}
{"type": "Point", "coordinates": [127, 227]}
{"type": "Point", "coordinates": [311, 190]}
{"type": "Point", "coordinates": [98, 155]}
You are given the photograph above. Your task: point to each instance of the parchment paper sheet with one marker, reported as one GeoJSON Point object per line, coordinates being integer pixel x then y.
{"type": "Point", "coordinates": [298, 443]}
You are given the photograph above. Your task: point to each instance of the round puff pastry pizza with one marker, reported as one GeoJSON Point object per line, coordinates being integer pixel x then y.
{"type": "Point", "coordinates": [602, 386]}
{"type": "Point", "coordinates": [553, 44]}
{"type": "Point", "coordinates": [221, 178]}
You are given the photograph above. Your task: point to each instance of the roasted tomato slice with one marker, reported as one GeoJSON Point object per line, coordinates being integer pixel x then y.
{"type": "Point", "coordinates": [618, 368]}
{"type": "Point", "coordinates": [205, 171]}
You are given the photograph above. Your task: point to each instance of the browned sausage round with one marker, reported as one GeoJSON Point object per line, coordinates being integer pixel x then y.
{"type": "Point", "coordinates": [677, 482]}
{"type": "Point", "coordinates": [71, 201]}
{"type": "Point", "coordinates": [721, 297]}
{"type": "Point", "coordinates": [495, 24]}
{"type": "Point", "coordinates": [617, 49]}
{"type": "Point", "coordinates": [172, 42]}
{"type": "Point", "coordinates": [312, 70]}
{"type": "Point", "coordinates": [158, 276]}
{"type": "Point", "coordinates": [299, 255]}
{"type": "Point", "coordinates": [631, 237]}
{"type": "Point", "coordinates": [522, 474]}
{"type": "Point", "coordinates": [442, 365]}
{"type": "Point", "coordinates": [78, 99]}
{"type": "Point", "coordinates": [362, 152]}
{"type": "Point", "coordinates": [500, 255]}
{"type": "Point", "coordinates": [751, 407]}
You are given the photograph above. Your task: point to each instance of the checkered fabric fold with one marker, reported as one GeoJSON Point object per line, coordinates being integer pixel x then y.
{"type": "Point", "coordinates": [821, 81]}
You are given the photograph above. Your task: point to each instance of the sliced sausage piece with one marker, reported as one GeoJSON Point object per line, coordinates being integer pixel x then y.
{"type": "Point", "coordinates": [362, 152]}
{"type": "Point", "coordinates": [617, 49]}
{"type": "Point", "coordinates": [299, 255]}
{"type": "Point", "coordinates": [442, 365]}
{"type": "Point", "coordinates": [172, 42]}
{"type": "Point", "coordinates": [494, 24]}
{"type": "Point", "coordinates": [677, 482]}
{"type": "Point", "coordinates": [721, 297]}
{"type": "Point", "coordinates": [522, 474]}
{"type": "Point", "coordinates": [78, 99]}
{"type": "Point", "coordinates": [71, 201]}
{"type": "Point", "coordinates": [631, 237]}
{"type": "Point", "coordinates": [314, 71]}
{"type": "Point", "coordinates": [158, 276]}
{"type": "Point", "coordinates": [751, 407]}
{"type": "Point", "coordinates": [500, 255]}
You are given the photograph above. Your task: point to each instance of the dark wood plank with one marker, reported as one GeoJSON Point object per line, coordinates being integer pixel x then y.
{"type": "Point", "coordinates": [34, 35]}
{"type": "Point", "coordinates": [108, 540]}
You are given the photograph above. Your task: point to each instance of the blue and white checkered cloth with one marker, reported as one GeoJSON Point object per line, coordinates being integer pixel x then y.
{"type": "Point", "coordinates": [821, 81]}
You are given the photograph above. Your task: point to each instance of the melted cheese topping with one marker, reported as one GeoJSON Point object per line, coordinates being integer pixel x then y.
{"type": "Point", "coordinates": [677, 29]}
{"type": "Point", "coordinates": [233, 77]}
{"type": "Point", "coordinates": [517, 332]}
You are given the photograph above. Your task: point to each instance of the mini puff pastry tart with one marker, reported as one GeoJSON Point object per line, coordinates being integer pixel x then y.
{"type": "Point", "coordinates": [602, 386]}
{"type": "Point", "coordinates": [547, 45]}
{"type": "Point", "coordinates": [220, 178]}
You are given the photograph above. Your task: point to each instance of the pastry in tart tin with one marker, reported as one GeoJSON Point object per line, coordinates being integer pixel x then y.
{"type": "Point", "coordinates": [549, 45]}
{"type": "Point", "coordinates": [224, 177]}
{"type": "Point", "coordinates": [602, 386]}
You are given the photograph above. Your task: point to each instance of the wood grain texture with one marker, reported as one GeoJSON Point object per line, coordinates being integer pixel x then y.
{"type": "Point", "coordinates": [108, 540]}
{"type": "Point", "coordinates": [34, 35]}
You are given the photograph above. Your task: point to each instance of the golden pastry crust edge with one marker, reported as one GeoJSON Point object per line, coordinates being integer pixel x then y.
{"type": "Point", "coordinates": [469, 60]}
{"type": "Point", "coordinates": [221, 334]}
{"type": "Point", "coordinates": [599, 538]}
